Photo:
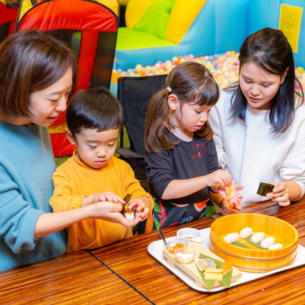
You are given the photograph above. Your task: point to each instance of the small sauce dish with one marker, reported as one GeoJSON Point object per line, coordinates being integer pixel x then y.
{"type": "Point", "coordinates": [189, 234]}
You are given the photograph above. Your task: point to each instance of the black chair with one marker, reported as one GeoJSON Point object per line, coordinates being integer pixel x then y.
{"type": "Point", "coordinates": [134, 94]}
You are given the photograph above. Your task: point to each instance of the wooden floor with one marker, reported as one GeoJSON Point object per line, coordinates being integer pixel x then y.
{"type": "Point", "coordinates": [124, 273]}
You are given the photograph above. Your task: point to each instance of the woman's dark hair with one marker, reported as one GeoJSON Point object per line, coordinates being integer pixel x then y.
{"type": "Point", "coordinates": [31, 61]}
{"type": "Point", "coordinates": [94, 108]}
{"type": "Point", "coordinates": [192, 83]}
{"type": "Point", "coordinates": [270, 50]}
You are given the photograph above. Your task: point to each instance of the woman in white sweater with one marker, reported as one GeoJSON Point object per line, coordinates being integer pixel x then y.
{"type": "Point", "coordinates": [259, 122]}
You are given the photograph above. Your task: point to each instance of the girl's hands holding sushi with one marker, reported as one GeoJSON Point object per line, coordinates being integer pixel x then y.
{"type": "Point", "coordinates": [219, 177]}
{"type": "Point", "coordinates": [280, 194]}
{"type": "Point", "coordinates": [105, 196]}
{"type": "Point", "coordinates": [141, 207]}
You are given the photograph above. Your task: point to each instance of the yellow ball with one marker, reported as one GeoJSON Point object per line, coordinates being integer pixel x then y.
{"type": "Point", "coordinates": [300, 70]}
{"type": "Point", "coordinates": [233, 53]}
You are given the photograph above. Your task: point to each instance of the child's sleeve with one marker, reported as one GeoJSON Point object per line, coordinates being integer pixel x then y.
{"type": "Point", "coordinates": [63, 198]}
{"type": "Point", "coordinates": [133, 186]}
{"type": "Point", "coordinates": [293, 166]}
{"type": "Point", "coordinates": [213, 160]}
{"type": "Point", "coordinates": [17, 218]}
{"type": "Point", "coordinates": [214, 120]}
{"type": "Point", "coordinates": [159, 171]}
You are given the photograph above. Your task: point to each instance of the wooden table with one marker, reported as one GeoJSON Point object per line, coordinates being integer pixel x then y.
{"type": "Point", "coordinates": [124, 273]}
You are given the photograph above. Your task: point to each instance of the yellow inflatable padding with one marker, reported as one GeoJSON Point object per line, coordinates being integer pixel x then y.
{"type": "Point", "coordinates": [134, 11]}
{"type": "Point", "coordinates": [111, 4]}
{"type": "Point", "coordinates": [123, 2]}
{"type": "Point", "coordinates": [182, 16]}
{"type": "Point", "coordinates": [58, 129]}
{"type": "Point", "coordinates": [26, 5]}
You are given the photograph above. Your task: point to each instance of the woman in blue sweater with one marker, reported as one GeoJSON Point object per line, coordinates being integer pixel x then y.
{"type": "Point", "coordinates": [37, 75]}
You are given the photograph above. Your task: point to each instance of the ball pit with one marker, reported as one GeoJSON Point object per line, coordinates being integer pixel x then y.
{"type": "Point", "coordinates": [224, 68]}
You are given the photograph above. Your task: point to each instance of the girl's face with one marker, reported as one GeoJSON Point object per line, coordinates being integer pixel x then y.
{"type": "Point", "coordinates": [187, 118]}
{"type": "Point", "coordinates": [46, 105]}
{"type": "Point", "coordinates": [259, 86]}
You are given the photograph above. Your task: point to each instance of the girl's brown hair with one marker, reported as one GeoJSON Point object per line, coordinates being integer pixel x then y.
{"type": "Point", "coordinates": [192, 83]}
{"type": "Point", "coordinates": [31, 61]}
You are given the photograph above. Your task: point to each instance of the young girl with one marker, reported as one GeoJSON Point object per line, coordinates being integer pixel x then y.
{"type": "Point", "coordinates": [182, 164]}
{"type": "Point", "coordinates": [259, 123]}
{"type": "Point", "coordinates": [37, 74]}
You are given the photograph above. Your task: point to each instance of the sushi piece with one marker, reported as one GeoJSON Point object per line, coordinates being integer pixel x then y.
{"type": "Point", "coordinates": [257, 237]}
{"type": "Point", "coordinates": [213, 276]}
{"type": "Point", "coordinates": [213, 270]}
{"type": "Point", "coordinates": [264, 189]}
{"type": "Point", "coordinates": [275, 246]}
{"type": "Point", "coordinates": [130, 216]}
{"type": "Point", "coordinates": [246, 232]}
{"type": "Point", "coordinates": [231, 238]}
{"type": "Point", "coordinates": [210, 263]}
{"type": "Point", "coordinates": [230, 190]}
{"type": "Point", "coordinates": [267, 242]}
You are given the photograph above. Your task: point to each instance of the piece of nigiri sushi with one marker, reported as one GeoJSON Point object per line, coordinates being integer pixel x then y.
{"type": "Point", "coordinates": [231, 238]}
{"type": "Point", "coordinates": [246, 232]}
{"type": "Point", "coordinates": [267, 242]}
{"type": "Point", "coordinates": [275, 246]}
{"type": "Point", "coordinates": [257, 237]}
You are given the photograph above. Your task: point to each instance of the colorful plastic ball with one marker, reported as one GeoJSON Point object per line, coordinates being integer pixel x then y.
{"type": "Point", "coordinates": [175, 58]}
{"type": "Point", "coordinates": [129, 71]}
{"type": "Point", "coordinates": [235, 63]}
{"type": "Point", "coordinates": [228, 54]}
{"type": "Point", "coordinates": [132, 74]}
{"type": "Point", "coordinates": [300, 70]}
{"type": "Point", "coordinates": [181, 60]}
{"type": "Point", "coordinates": [124, 73]}
{"type": "Point", "coordinates": [158, 66]}
{"type": "Point", "coordinates": [120, 71]}
{"type": "Point", "coordinates": [134, 71]}
{"type": "Point", "coordinates": [191, 56]}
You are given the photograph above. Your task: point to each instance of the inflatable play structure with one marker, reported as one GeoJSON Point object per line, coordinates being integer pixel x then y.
{"type": "Point", "coordinates": [90, 29]}
{"type": "Point", "coordinates": [158, 30]}
{"type": "Point", "coordinates": [8, 16]}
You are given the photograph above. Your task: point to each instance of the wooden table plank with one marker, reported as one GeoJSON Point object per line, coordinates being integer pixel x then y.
{"type": "Point", "coordinates": [134, 264]}
{"type": "Point", "coordinates": [76, 278]}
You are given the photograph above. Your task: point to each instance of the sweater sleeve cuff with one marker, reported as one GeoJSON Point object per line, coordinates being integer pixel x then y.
{"type": "Point", "coordinates": [302, 186]}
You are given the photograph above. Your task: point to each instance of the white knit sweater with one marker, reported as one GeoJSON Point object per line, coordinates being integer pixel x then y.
{"type": "Point", "coordinates": [252, 154]}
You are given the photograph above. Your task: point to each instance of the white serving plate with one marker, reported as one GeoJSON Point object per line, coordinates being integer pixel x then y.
{"type": "Point", "coordinates": [155, 250]}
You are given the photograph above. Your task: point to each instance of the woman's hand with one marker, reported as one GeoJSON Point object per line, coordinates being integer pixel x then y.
{"type": "Point", "coordinates": [280, 194]}
{"type": "Point", "coordinates": [229, 207]}
{"type": "Point", "coordinates": [140, 207]}
{"type": "Point", "coordinates": [218, 177]}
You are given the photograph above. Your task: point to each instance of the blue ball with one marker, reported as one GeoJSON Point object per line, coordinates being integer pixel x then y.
{"type": "Point", "coordinates": [134, 71]}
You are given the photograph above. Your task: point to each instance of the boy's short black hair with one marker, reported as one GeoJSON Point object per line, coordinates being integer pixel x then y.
{"type": "Point", "coordinates": [94, 108]}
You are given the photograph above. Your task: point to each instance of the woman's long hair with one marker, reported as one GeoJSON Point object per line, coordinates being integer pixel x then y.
{"type": "Point", "coordinates": [270, 50]}
{"type": "Point", "coordinates": [192, 83]}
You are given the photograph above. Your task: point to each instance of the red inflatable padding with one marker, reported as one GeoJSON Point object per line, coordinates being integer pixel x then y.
{"type": "Point", "coordinates": [8, 15]}
{"type": "Point", "coordinates": [63, 147]}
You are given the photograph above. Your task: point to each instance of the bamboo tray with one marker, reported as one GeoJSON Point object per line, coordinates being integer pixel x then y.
{"type": "Point", "coordinates": [191, 269]}
{"type": "Point", "coordinates": [249, 259]}
{"type": "Point", "coordinates": [155, 249]}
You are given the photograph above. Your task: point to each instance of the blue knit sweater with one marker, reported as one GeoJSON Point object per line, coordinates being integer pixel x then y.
{"type": "Point", "coordinates": [26, 168]}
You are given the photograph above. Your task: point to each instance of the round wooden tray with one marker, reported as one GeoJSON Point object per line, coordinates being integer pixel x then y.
{"type": "Point", "coordinates": [254, 260]}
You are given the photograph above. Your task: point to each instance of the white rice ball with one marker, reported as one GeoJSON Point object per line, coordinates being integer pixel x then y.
{"type": "Point", "coordinates": [257, 237]}
{"type": "Point", "coordinates": [267, 242]}
{"type": "Point", "coordinates": [246, 232]}
{"type": "Point", "coordinates": [275, 246]}
{"type": "Point", "coordinates": [231, 238]}
{"type": "Point", "coordinates": [129, 216]}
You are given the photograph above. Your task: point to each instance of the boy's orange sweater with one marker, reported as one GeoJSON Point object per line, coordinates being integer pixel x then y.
{"type": "Point", "coordinates": [73, 180]}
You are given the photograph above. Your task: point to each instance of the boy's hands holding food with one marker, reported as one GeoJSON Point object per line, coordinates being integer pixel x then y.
{"type": "Point", "coordinates": [141, 206]}
{"type": "Point", "coordinates": [105, 196]}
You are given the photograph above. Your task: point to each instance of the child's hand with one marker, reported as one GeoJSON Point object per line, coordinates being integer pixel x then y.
{"type": "Point", "coordinates": [220, 176]}
{"type": "Point", "coordinates": [229, 207]}
{"type": "Point", "coordinates": [111, 212]}
{"type": "Point", "coordinates": [140, 207]}
{"type": "Point", "coordinates": [280, 194]}
{"type": "Point", "coordinates": [106, 196]}
{"type": "Point", "coordinates": [235, 197]}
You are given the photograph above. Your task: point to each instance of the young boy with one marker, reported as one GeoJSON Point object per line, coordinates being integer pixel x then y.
{"type": "Point", "coordinates": [92, 174]}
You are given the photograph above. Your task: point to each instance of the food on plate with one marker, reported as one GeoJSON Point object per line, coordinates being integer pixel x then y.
{"type": "Point", "coordinates": [257, 237]}
{"type": "Point", "coordinates": [267, 242]}
{"type": "Point", "coordinates": [213, 270]}
{"type": "Point", "coordinates": [185, 256]}
{"type": "Point", "coordinates": [213, 276]}
{"type": "Point", "coordinates": [201, 263]}
{"type": "Point", "coordinates": [226, 267]}
{"type": "Point", "coordinates": [276, 246]}
{"type": "Point", "coordinates": [177, 246]}
{"type": "Point", "coordinates": [210, 263]}
{"type": "Point", "coordinates": [246, 232]}
{"type": "Point", "coordinates": [231, 238]}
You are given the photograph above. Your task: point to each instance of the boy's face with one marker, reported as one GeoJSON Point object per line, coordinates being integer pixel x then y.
{"type": "Point", "coordinates": [94, 147]}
